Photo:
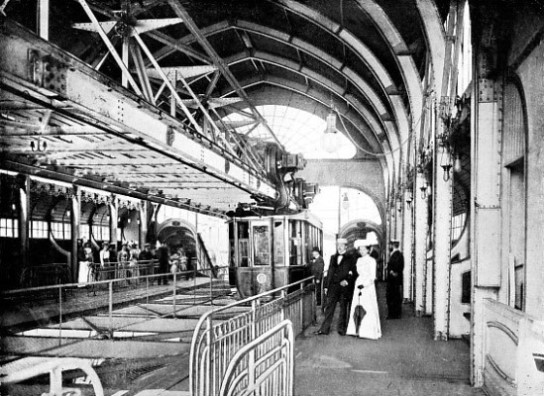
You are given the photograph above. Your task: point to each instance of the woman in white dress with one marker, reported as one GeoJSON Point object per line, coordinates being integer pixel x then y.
{"type": "Point", "coordinates": [365, 294]}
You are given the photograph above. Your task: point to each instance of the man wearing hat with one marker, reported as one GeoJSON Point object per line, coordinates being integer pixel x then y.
{"type": "Point", "coordinates": [395, 266]}
{"type": "Point", "coordinates": [146, 256]}
{"type": "Point", "coordinates": [338, 287]}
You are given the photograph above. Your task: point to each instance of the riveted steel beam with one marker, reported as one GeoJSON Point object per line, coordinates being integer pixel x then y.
{"type": "Point", "coordinates": [97, 101]}
{"type": "Point", "coordinates": [193, 28]}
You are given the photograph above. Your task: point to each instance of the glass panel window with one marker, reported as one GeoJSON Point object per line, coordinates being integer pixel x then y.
{"type": "Point", "coordinates": [243, 244]}
{"type": "Point", "coordinates": [457, 226]}
{"type": "Point", "coordinates": [298, 130]}
{"type": "Point", "coordinates": [8, 228]}
{"type": "Point", "coordinates": [261, 243]}
{"type": "Point", "coordinates": [278, 243]}
{"type": "Point", "coordinates": [38, 229]}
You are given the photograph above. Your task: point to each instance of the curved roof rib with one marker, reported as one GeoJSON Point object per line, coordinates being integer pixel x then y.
{"type": "Point", "coordinates": [349, 115]}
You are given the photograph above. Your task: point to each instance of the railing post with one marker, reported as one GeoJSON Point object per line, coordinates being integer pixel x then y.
{"type": "Point", "coordinates": [194, 283]}
{"type": "Point", "coordinates": [283, 299]}
{"type": "Point", "coordinates": [302, 307]}
{"type": "Point", "coordinates": [253, 319]}
{"type": "Point", "coordinates": [60, 315]}
{"type": "Point", "coordinates": [174, 295]}
{"type": "Point", "coordinates": [110, 306]}
{"type": "Point", "coordinates": [211, 352]}
{"type": "Point", "coordinates": [211, 289]}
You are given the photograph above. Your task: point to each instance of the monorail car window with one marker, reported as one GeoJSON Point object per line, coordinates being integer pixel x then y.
{"type": "Point", "coordinates": [261, 243]}
{"type": "Point", "coordinates": [243, 244]}
{"type": "Point", "coordinates": [279, 248]}
{"type": "Point", "coordinates": [295, 241]}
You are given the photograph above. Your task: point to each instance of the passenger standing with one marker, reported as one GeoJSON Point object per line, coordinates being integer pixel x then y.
{"type": "Point", "coordinates": [164, 263]}
{"type": "Point", "coordinates": [144, 258]}
{"type": "Point", "coordinates": [317, 265]}
{"type": "Point", "coordinates": [395, 266]}
{"type": "Point", "coordinates": [104, 260]}
{"type": "Point", "coordinates": [365, 324]}
{"type": "Point", "coordinates": [338, 287]}
{"type": "Point", "coordinates": [134, 252]}
{"type": "Point", "coordinates": [122, 261]}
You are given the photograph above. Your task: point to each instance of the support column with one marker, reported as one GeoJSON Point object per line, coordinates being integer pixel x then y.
{"type": "Point", "coordinates": [143, 223]}
{"type": "Point", "coordinates": [407, 247]}
{"type": "Point", "coordinates": [485, 184]}
{"type": "Point", "coordinates": [421, 230]}
{"type": "Point", "coordinates": [113, 220]}
{"type": "Point", "coordinates": [24, 220]}
{"type": "Point", "coordinates": [75, 219]}
{"type": "Point", "coordinates": [399, 214]}
{"type": "Point", "coordinates": [428, 288]}
{"type": "Point", "coordinates": [442, 246]}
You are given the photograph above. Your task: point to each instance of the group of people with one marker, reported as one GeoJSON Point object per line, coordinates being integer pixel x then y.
{"type": "Point", "coordinates": [172, 260]}
{"type": "Point", "coordinates": [130, 261]}
{"type": "Point", "coordinates": [350, 283]}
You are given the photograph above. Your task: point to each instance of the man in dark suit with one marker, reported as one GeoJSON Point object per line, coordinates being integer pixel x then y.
{"type": "Point", "coordinates": [395, 266]}
{"type": "Point", "coordinates": [317, 265]}
{"type": "Point", "coordinates": [338, 287]}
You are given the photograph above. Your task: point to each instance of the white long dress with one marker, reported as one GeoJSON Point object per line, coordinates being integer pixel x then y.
{"type": "Point", "coordinates": [370, 326]}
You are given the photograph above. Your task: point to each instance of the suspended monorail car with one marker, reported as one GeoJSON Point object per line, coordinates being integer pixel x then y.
{"type": "Point", "coordinates": [267, 252]}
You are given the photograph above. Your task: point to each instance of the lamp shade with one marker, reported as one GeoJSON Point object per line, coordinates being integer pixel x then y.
{"type": "Point", "coordinates": [329, 140]}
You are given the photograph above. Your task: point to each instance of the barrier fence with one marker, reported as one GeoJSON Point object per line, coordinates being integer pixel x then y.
{"type": "Point", "coordinates": [252, 372]}
{"type": "Point", "coordinates": [216, 341]}
{"type": "Point", "coordinates": [52, 306]}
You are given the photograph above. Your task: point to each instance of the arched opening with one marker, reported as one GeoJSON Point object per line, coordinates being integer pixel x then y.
{"type": "Point", "coordinates": [514, 194]}
{"type": "Point", "coordinates": [342, 210]}
{"type": "Point", "coordinates": [177, 233]}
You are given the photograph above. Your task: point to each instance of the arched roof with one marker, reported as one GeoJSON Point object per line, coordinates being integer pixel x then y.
{"type": "Point", "coordinates": [366, 57]}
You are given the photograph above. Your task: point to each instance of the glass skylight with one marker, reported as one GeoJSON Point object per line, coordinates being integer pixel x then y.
{"type": "Point", "coordinates": [298, 130]}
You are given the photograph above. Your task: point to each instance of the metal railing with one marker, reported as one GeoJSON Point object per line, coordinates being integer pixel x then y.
{"type": "Point", "coordinates": [57, 303]}
{"type": "Point", "coordinates": [216, 340]}
{"type": "Point", "coordinates": [28, 368]}
{"type": "Point", "coordinates": [45, 274]}
{"type": "Point", "coordinates": [265, 366]}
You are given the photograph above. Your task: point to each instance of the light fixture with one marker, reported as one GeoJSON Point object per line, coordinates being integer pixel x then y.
{"type": "Point", "coordinates": [457, 164]}
{"type": "Point", "coordinates": [445, 164]}
{"type": "Point", "coordinates": [409, 198]}
{"type": "Point", "coordinates": [329, 140]}
{"type": "Point", "coordinates": [423, 189]}
{"type": "Point", "coordinates": [345, 201]}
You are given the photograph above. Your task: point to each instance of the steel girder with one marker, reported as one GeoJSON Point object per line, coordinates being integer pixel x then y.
{"type": "Point", "coordinates": [91, 96]}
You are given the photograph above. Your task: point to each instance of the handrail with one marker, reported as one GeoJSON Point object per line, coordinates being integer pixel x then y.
{"type": "Point", "coordinates": [203, 251]}
{"type": "Point", "coordinates": [67, 285]}
{"type": "Point", "coordinates": [55, 368]}
{"type": "Point", "coordinates": [206, 316]}
{"type": "Point", "coordinates": [285, 324]}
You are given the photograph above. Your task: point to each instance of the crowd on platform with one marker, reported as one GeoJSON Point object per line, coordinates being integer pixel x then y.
{"type": "Point", "coordinates": [129, 261]}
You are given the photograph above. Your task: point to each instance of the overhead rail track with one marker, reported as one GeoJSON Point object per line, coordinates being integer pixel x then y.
{"type": "Point", "coordinates": [84, 97]}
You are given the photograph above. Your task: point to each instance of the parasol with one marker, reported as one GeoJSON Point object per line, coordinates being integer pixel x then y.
{"type": "Point", "coordinates": [358, 314]}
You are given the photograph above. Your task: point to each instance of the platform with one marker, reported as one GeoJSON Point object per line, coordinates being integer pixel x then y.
{"type": "Point", "coordinates": [406, 361]}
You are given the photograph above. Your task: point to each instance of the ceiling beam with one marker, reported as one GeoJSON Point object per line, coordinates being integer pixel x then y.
{"type": "Point", "coordinates": [218, 61]}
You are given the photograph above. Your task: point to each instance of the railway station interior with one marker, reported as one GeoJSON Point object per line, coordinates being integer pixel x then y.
{"type": "Point", "coordinates": [167, 167]}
